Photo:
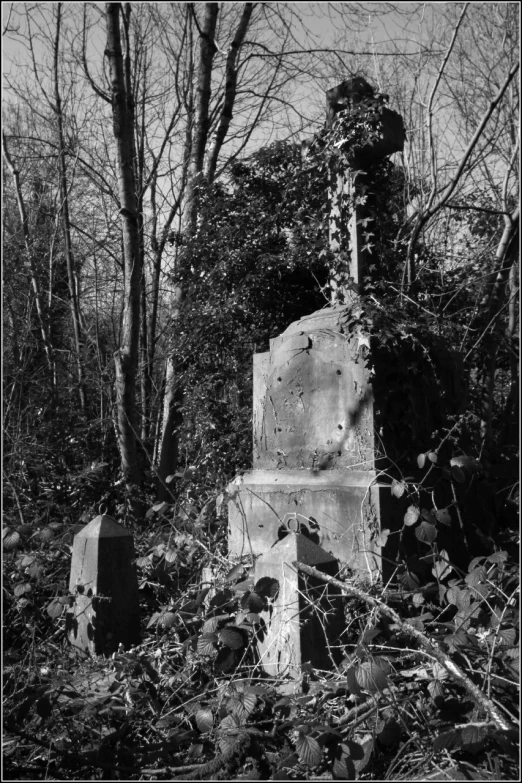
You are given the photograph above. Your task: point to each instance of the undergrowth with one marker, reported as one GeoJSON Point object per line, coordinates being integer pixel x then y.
{"type": "Point", "coordinates": [191, 702]}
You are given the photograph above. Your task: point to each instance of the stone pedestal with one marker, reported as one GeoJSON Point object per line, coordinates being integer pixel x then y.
{"type": "Point", "coordinates": [106, 610]}
{"type": "Point", "coordinates": [340, 510]}
{"type": "Point", "coordinates": [305, 621]}
{"type": "Point", "coordinates": [314, 445]}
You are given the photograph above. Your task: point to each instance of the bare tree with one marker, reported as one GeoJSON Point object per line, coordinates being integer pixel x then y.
{"type": "Point", "coordinates": [126, 356]}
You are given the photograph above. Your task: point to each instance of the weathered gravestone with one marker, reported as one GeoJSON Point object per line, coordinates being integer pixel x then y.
{"type": "Point", "coordinates": [325, 415]}
{"type": "Point", "coordinates": [106, 610]}
{"type": "Point", "coordinates": [315, 440]}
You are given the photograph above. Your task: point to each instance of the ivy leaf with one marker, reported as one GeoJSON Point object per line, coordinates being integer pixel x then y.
{"type": "Point", "coordinates": [232, 637]}
{"type": "Point", "coordinates": [11, 538]}
{"type": "Point", "coordinates": [466, 463]}
{"type": "Point", "coordinates": [244, 587]}
{"type": "Point", "coordinates": [253, 602]}
{"type": "Point", "coordinates": [204, 720]}
{"type": "Point", "coordinates": [497, 557]}
{"type": "Point", "coordinates": [409, 580]}
{"type": "Point", "coordinates": [411, 516]}
{"type": "Point", "coordinates": [309, 750]}
{"type": "Point", "coordinates": [211, 625]}
{"type": "Point", "coordinates": [473, 737]}
{"type": "Point", "coordinates": [367, 746]}
{"type": "Point", "coordinates": [55, 608]}
{"type": "Point", "coordinates": [447, 741]}
{"type": "Point", "coordinates": [267, 587]}
{"type": "Point", "coordinates": [436, 689]}
{"type": "Point", "coordinates": [382, 538]}
{"type": "Point", "coordinates": [35, 570]}
{"type": "Point", "coordinates": [442, 568]}
{"type": "Point", "coordinates": [206, 644]}
{"type": "Point", "coordinates": [243, 705]}
{"type": "Point", "coordinates": [167, 619]}
{"type": "Point", "coordinates": [371, 677]}
{"type": "Point", "coordinates": [508, 636]}
{"type": "Point", "coordinates": [343, 766]}
{"type": "Point", "coordinates": [222, 600]}
{"type": "Point", "coordinates": [477, 576]}
{"type": "Point", "coordinates": [398, 488]}
{"type": "Point", "coordinates": [443, 516]}
{"type": "Point", "coordinates": [426, 532]}
{"type": "Point", "coordinates": [21, 589]}
{"type": "Point", "coordinates": [456, 640]}
{"type": "Point", "coordinates": [458, 474]}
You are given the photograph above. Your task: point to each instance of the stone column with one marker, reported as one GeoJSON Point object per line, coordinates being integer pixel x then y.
{"type": "Point", "coordinates": [347, 183]}
{"type": "Point", "coordinates": [106, 609]}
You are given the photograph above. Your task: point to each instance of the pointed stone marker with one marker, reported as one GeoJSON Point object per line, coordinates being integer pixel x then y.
{"type": "Point", "coordinates": [106, 610]}
{"type": "Point", "coordinates": [305, 620]}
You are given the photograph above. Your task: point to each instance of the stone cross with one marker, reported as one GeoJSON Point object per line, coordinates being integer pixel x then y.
{"type": "Point", "coordinates": [347, 185]}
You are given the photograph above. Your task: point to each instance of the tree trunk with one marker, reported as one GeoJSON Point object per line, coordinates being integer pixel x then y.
{"type": "Point", "coordinates": [201, 125]}
{"type": "Point", "coordinates": [196, 145]}
{"type": "Point", "coordinates": [126, 357]}
{"type": "Point", "coordinates": [230, 89]}
{"type": "Point", "coordinates": [64, 196]}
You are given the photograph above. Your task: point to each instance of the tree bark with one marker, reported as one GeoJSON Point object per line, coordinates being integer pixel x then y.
{"type": "Point", "coordinates": [230, 89]}
{"type": "Point", "coordinates": [201, 125]}
{"type": "Point", "coordinates": [196, 145]}
{"type": "Point", "coordinates": [64, 194]}
{"type": "Point", "coordinates": [126, 357]}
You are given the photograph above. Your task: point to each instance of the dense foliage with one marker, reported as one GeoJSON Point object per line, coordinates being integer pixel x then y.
{"type": "Point", "coordinates": [253, 268]}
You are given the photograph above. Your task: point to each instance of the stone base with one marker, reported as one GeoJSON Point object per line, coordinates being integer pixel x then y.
{"type": "Point", "coordinates": [305, 621]}
{"type": "Point", "coordinates": [339, 510]}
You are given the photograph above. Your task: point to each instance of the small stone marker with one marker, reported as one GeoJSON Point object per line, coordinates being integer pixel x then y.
{"type": "Point", "coordinates": [305, 621]}
{"type": "Point", "coordinates": [106, 610]}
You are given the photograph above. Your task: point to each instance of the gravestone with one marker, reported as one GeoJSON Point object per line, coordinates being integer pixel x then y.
{"type": "Point", "coordinates": [106, 610]}
{"type": "Point", "coordinates": [313, 418]}
{"type": "Point", "coordinates": [314, 491]}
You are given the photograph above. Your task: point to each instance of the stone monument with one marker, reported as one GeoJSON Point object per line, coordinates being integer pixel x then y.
{"type": "Point", "coordinates": [313, 420]}
{"type": "Point", "coordinates": [106, 608]}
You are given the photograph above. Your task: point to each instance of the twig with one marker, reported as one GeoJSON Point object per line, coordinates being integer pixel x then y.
{"type": "Point", "coordinates": [430, 646]}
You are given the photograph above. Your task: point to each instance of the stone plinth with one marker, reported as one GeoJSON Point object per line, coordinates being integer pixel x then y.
{"type": "Point", "coordinates": [340, 511]}
{"type": "Point", "coordinates": [106, 609]}
{"type": "Point", "coordinates": [305, 621]}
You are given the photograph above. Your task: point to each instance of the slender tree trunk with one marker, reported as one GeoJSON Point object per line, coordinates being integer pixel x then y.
{"type": "Point", "coordinates": [64, 195]}
{"type": "Point", "coordinates": [126, 357]}
{"type": "Point", "coordinates": [196, 146]}
{"type": "Point", "coordinates": [201, 125]}
{"type": "Point", "coordinates": [230, 89]}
